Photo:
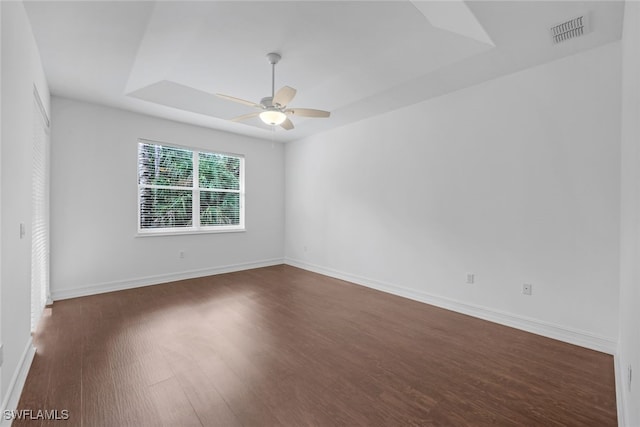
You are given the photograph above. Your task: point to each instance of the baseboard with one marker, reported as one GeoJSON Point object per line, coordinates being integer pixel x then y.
{"type": "Point", "coordinates": [558, 332]}
{"type": "Point", "coordinates": [119, 285]}
{"type": "Point", "coordinates": [10, 402]}
{"type": "Point", "coordinates": [621, 394]}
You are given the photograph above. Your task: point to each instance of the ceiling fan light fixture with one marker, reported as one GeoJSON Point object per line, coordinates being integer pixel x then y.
{"type": "Point", "coordinates": [272, 117]}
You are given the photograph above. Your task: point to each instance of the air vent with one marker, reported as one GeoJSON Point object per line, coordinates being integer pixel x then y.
{"type": "Point", "coordinates": [572, 28]}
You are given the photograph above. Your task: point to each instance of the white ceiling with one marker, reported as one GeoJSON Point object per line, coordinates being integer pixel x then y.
{"type": "Point", "coordinates": [355, 59]}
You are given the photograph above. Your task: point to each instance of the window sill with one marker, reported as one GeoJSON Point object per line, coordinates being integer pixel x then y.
{"type": "Point", "coordinates": [188, 232]}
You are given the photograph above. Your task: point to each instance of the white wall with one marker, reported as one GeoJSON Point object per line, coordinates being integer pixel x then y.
{"type": "Point", "coordinates": [629, 339]}
{"type": "Point", "coordinates": [94, 203]}
{"type": "Point", "coordinates": [21, 70]}
{"type": "Point", "coordinates": [515, 180]}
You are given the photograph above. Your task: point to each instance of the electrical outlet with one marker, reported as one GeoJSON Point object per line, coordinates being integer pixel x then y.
{"type": "Point", "coordinates": [527, 289]}
{"type": "Point", "coordinates": [630, 376]}
{"type": "Point", "coordinates": [470, 278]}
{"type": "Point", "coordinates": [181, 254]}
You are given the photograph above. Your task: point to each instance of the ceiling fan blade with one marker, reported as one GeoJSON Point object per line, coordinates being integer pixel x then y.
{"type": "Point", "coordinates": [307, 112]}
{"type": "Point", "coordinates": [284, 96]}
{"type": "Point", "coordinates": [245, 117]}
{"type": "Point", "coordinates": [287, 124]}
{"type": "Point", "coordinates": [238, 100]}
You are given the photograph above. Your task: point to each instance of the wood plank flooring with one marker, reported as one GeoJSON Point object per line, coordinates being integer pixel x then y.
{"type": "Point", "coordinates": [280, 346]}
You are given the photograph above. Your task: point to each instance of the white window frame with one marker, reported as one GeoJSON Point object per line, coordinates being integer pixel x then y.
{"type": "Point", "coordinates": [195, 189]}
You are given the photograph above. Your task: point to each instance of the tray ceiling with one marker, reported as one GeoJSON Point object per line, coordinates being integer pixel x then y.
{"type": "Point", "coordinates": [355, 59]}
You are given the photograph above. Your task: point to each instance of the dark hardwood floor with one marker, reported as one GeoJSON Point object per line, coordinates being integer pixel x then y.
{"type": "Point", "coordinates": [280, 346]}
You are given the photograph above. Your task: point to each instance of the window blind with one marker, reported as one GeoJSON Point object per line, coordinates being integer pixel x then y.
{"type": "Point", "coordinates": [39, 213]}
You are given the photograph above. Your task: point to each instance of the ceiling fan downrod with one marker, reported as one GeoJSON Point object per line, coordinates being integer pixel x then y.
{"type": "Point", "coordinates": [273, 58]}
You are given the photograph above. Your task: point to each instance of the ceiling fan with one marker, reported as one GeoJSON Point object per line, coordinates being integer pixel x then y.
{"type": "Point", "coordinates": [273, 109]}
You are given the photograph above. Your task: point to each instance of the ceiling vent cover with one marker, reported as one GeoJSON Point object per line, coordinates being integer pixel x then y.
{"type": "Point", "coordinates": [575, 27]}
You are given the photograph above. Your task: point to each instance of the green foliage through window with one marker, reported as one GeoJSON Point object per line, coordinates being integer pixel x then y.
{"type": "Point", "coordinates": [169, 199]}
{"type": "Point", "coordinates": [219, 171]}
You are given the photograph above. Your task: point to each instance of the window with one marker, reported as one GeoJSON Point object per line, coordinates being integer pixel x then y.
{"type": "Point", "coordinates": [39, 211]}
{"type": "Point", "coordinates": [170, 200]}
